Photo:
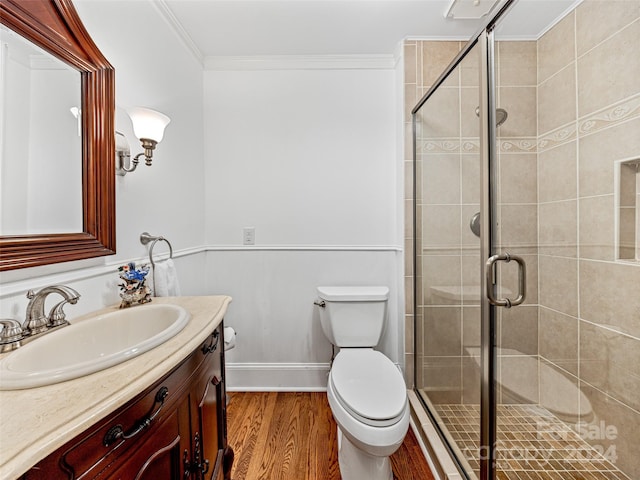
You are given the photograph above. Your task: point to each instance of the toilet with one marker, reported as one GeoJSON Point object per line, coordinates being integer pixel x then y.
{"type": "Point", "coordinates": [366, 391]}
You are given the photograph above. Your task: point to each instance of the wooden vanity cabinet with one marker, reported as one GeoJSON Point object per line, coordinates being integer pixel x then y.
{"type": "Point", "coordinates": [182, 430]}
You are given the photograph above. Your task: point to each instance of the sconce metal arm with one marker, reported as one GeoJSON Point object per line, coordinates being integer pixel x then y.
{"type": "Point", "coordinates": [134, 162]}
{"type": "Point", "coordinates": [148, 145]}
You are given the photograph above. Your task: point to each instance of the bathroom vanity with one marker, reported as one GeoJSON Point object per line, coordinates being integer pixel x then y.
{"type": "Point", "coordinates": [158, 416]}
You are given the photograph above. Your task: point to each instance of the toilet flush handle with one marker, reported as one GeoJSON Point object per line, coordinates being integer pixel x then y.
{"type": "Point", "coordinates": [320, 303]}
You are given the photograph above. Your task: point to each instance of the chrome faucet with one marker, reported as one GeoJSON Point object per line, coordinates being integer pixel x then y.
{"type": "Point", "coordinates": [36, 321]}
{"type": "Point", "coordinates": [13, 335]}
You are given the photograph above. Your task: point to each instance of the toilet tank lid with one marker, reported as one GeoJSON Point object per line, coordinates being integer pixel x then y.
{"type": "Point", "coordinates": [353, 294]}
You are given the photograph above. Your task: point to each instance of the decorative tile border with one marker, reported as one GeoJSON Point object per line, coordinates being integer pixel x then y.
{"type": "Point", "coordinates": [618, 113]}
{"type": "Point", "coordinates": [623, 111]}
{"type": "Point", "coordinates": [613, 115]}
{"type": "Point", "coordinates": [439, 145]}
{"type": "Point", "coordinates": [517, 145]}
{"type": "Point", "coordinates": [472, 145]}
{"type": "Point", "coordinates": [557, 137]}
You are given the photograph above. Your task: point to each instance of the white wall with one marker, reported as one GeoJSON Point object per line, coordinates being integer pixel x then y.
{"type": "Point", "coordinates": [307, 157]}
{"type": "Point", "coordinates": [153, 69]}
{"type": "Point", "coordinates": [280, 344]}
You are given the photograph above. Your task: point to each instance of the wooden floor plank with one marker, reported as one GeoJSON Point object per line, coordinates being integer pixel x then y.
{"type": "Point", "coordinates": [250, 427]}
{"type": "Point", "coordinates": [282, 436]}
{"type": "Point", "coordinates": [323, 453]}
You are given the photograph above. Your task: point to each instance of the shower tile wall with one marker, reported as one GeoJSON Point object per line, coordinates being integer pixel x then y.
{"type": "Point", "coordinates": [589, 118]}
{"type": "Point", "coordinates": [423, 63]}
{"type": "Point", "coordinates": [573, 99]}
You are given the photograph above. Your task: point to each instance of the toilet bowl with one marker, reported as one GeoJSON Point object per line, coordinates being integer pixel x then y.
{"type": "Point", "coordinates": [368, 399]}
{"type": "Point", "coordinates": [365, 389]}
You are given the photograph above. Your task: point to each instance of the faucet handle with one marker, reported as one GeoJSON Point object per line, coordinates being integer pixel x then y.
{"type": "Point", "coordinates": [10, 334]}
{"type": "Point", "coordinates": [57, 316]}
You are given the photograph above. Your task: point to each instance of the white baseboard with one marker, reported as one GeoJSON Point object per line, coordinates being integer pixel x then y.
{"type": "Point", "coordinates": [277, 377]}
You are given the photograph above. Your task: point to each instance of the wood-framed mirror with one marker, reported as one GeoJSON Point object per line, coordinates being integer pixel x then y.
{"type": "Point", "coordinates": [55, 27]}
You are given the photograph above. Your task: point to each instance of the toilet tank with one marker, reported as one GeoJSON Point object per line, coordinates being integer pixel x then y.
{"type": "Point", "coordinates": [353, 316]}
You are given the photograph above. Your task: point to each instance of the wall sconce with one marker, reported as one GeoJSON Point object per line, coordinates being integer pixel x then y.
{"type": "Point", "coordinates": [148, 126]}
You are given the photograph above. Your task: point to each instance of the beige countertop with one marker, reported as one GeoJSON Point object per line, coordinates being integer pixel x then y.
{"type": "Point", "coordinates": [35, 422]}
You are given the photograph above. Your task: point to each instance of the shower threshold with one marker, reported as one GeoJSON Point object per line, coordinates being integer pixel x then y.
{"type": "Point", "coordinates": [532, 444]}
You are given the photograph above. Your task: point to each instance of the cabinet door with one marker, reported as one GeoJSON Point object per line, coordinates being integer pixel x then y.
{"type": "Point", "coordinates": [207, 418]}
{"type": "Point", "coordinates": [160, 456]}
{"type": "Point", "coordinates": [208, 414]}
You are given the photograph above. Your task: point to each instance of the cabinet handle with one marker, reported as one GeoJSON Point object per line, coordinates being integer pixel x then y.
{"type": "Point", "coordinates": [196, 466]}
{"type": "Point", "coordinates": [197, 452]}
{"type": "Point", "coordinates": [188, 467]}
{"type": "Point", "coordinates": [214, 343]}
{"type": "Point", "coordinates": [204, 468]}
{"type": "Point", "coordinates": [186, 464]}
{"type": "Point", "coordinates": [116, 432]}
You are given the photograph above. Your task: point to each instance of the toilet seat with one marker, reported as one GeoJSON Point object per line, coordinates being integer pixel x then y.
{"type": "Point", "coordinates": [369, 386]}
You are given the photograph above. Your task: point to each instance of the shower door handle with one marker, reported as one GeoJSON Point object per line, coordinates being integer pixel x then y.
{"type": "Point", "coordinates": [522, 280]}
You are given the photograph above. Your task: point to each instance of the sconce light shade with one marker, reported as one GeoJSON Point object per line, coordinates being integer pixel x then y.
{"type": "Point", "coordinates": [148, 123]}
{"type": "Point", "coordinates": [148, 126]}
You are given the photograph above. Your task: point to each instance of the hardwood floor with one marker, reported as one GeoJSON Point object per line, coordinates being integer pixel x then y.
{"type": "Point", "coordinates": [292, 436]}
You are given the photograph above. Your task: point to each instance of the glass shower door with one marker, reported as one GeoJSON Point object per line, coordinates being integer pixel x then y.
{"type": "Point", "coordinates": [448, 274]}
{"type": "Point", "coordinates": [547, 389]}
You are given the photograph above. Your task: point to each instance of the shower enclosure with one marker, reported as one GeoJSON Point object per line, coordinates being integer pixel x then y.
{"type": "Point", "coordinates": [526, 274]}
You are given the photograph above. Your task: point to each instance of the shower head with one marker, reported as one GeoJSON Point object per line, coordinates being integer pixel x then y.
{"type": "Point", "coordinates": [501, 115]}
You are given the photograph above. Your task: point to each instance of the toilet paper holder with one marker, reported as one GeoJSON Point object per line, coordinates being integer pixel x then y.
{"type": "Point", "coordinates": [229, 338]}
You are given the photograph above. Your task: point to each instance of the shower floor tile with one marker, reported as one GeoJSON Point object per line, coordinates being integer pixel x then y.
{"type": "Point", "coordinates": [532, 444]}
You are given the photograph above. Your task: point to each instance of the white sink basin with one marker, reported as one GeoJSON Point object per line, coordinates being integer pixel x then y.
{"type": "Point", "coordinates": [91, 345]}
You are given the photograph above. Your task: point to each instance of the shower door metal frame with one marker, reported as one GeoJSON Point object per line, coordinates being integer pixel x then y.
{"type": "Point", "coordinates": [484, 37]}
{"type": "Point", "coordinates": [488, 360]}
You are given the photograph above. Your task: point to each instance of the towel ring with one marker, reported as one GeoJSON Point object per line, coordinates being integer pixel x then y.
{"type": "Point", "coordinates": [146, 238]}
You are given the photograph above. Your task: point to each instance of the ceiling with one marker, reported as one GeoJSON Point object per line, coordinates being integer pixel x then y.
{"type": "Point", "coordinates": [216, 28]}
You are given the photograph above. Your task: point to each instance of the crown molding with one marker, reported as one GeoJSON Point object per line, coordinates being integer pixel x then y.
{"type": "Point", "coordinates": [167, 14]}
{"type": "Point", "coordinates": [300, 62]}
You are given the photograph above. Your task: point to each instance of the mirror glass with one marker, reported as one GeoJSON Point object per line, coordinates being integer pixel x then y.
{"type": "Point", "coordinates": [40, 141]}
{"type": "Point", "coordinates": [56, 27]}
